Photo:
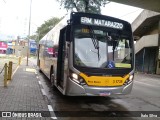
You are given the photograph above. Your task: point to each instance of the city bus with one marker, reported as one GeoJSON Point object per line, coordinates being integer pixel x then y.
{"type": "Point", "coordinates": [91, 55]}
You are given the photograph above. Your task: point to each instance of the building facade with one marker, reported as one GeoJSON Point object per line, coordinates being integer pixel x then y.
{"type": "Point", "coordinates": [146, 32]}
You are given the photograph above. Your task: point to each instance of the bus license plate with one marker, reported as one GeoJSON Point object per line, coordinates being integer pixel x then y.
{"type": "Point", "coordinates": [104, 93]}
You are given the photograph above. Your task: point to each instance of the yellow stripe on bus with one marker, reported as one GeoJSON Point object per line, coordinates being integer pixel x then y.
{"type": "Point", "coordinates": [104, 80]}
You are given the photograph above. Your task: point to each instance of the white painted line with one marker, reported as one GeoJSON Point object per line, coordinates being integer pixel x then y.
{"type": "Point", "coordinates": [51, 110]}
{"type": "Point", "coordinates": [40, 82]}
{"type": "Point", "coordinates": [37, 77]}
{"type": "Point", "coordinates": [54, 117]}
{"type": "Point", "coordinates": [146, 84]}
{"type": "Point", "coordinates": [15, 70]}
{"type": "Point", "coordinates": [43, 92]}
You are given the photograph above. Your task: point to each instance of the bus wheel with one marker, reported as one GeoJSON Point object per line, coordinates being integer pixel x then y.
{"type": "Point", "coordinates": [52, 78]}
{"type": "Point", "coordinates": [39, 66]}
{"type": "Point", "coordinates": [53, 82]}
{"type": "Point", "coordinates": [40, 70]}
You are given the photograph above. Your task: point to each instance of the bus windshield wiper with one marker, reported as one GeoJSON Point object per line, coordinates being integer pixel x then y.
{"type": "Point", "coordinates": [94, 41]}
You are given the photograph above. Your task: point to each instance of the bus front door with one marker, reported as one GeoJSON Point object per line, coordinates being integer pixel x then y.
{"type": "Point", "coordinates": [61, 59]}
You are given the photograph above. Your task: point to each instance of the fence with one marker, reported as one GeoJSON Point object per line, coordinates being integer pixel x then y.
{"type": "Point", "coordinates": [7, 69]}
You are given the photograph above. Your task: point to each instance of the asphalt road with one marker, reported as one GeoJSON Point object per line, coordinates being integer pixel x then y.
{"type": "Point", "coordinates": [145, 96]}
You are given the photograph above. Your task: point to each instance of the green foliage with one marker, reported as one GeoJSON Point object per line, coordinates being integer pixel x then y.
{"type": "Point", "coordinates": [34, 37]}
{"type": "Point", "coordinates": [88, 6]}
{"type": "Point", "coordinates": [46, 27]}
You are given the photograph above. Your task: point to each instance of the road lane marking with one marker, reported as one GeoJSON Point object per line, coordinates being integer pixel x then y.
{"type": "Point", "coordinates": [43, 92]}
{"type": "Point", "coordinates": [53, 116]}
{"type": "Point", "coordinates": [50, 108]}
{"type": "Point", "coordinates": [146, 84]}
{"type": "Point", "coordinates": [15, 71]}
{"type": "Point", "coordinates": [40, 82]}
{"type": "Point", "coordinates": [30, 70]}
{"type": "Point", "coordinates": [13, 74]}
{"type": "Point", "coordinates": [51, 111]}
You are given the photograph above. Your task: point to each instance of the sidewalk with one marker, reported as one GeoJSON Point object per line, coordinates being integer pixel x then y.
{"type": "Point", "coordinates": [23, 94]}
{"type": "Point", "coordinates": [143, 75]}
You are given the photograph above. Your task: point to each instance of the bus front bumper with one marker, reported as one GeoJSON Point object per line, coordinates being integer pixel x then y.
{"type": "Point", "coordinates": [74, 89]}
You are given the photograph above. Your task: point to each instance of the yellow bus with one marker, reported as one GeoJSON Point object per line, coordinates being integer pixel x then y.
{"type": "Point", "coordinates": [89, 55]}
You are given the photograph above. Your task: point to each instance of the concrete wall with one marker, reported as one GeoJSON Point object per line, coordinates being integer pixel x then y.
{"type": "Point", "coordinates": [146, 41]}
{"type": "Point", "coordinates": [153, 30]}
{"type": "Point", "coordinates": [147, 29]}
{"type": "Point", "coordinates": [142, 17]}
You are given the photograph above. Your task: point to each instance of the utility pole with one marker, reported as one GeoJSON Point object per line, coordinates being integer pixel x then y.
{"type": "Point", "coordinates": [28, 51]}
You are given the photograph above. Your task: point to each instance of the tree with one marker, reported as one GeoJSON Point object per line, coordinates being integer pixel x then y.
{"type": "Point", "coordinates": [45, 28]}
{"type": "Point", "coordinates": [88, 6]}
{"type": "Point", "coordinates": [34, 37]}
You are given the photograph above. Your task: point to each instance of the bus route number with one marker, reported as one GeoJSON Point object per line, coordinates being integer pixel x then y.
{"type": "Point", "coordinates": [117, 81]}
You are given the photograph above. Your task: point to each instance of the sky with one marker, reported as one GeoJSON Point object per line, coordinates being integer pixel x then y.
{"type": "Point", "coordinates": [14, 14]}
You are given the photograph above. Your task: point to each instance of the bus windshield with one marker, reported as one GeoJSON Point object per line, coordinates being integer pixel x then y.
{"type": "Point", "coordinates": [99, 48]}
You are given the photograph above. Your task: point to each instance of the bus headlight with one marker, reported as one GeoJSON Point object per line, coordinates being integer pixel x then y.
{"type": "Point", "coordinates": [76, 78]}
{"type": "Point", "coordinates": [131, 77]}
{"type": "Point", "coordinates": [129, 80]}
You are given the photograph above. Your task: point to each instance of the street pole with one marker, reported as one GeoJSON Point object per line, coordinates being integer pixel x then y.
{"type": "Point", "coordinates": [28, 50]}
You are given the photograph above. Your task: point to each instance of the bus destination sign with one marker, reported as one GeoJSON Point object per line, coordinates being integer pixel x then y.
{"type": "Point", "coordinates": [100, 22]}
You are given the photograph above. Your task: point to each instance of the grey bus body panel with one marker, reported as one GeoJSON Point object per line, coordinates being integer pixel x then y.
{"type": "Point", "coordinates": [74, 89]}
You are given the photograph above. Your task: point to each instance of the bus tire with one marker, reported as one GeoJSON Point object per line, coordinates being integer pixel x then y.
{"type": "Point", "coordinates": [39, 66]}
{"type": "Point", "coordinates": [52, 77]}
{"type": "Point", "coordinates": [40, 70]}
